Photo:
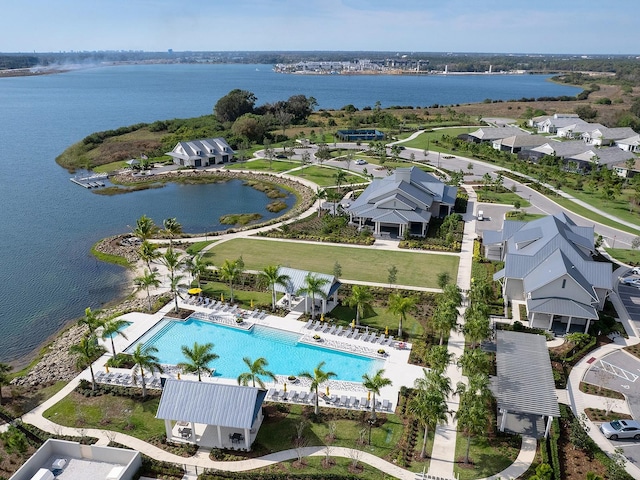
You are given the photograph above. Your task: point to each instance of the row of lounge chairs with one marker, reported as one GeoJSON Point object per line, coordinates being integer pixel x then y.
{"type": "Point", "coordinates": [126, 380]}
{"type": "Point", "coordinates": [222, 307]}
{"type": "Point", "coordinates": [343, 401]}
{"type": "Point", "coordinates": [354, 334]}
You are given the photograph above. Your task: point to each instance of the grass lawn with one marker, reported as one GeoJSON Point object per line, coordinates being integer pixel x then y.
{"type": "Point", "coordinates": [340, 467]}
{"type": "Point", "coordinates": [263, 164]}
{"type": "Point", "coordinates": [380, 319]}
{"type": "Point", "coordinates": [619, 207]}
{"type": "Point", "coordinates": [508, 198]}
{"type": "Point", "coordinates": [587, 213]}
{"type": "Point", "coordinates": [196, 247]}
{"type": "Point", "coordinates": [522, 216]}
{"type": "Point", "coordinates": [415, 269]}
{"type": "Point", "coordinates": [131, 416]}
{"type": "Point", "coordinates": [487, 457]}
{"type": "Point", "coordinates": [630, 257]}
{"type": "Point", "coordinates": [426, 139]}
{"type": "Point", "coordinates": [243, 297]}
{"type": "Point", "coordinates": [325, 176]}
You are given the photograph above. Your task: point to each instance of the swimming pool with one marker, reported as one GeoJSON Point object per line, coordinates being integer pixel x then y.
{"type": "Point", "coordinates": [281, 349]}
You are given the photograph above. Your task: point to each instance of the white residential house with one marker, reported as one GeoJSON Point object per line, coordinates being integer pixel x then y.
{"type": "Point", "coordinates": [602, 136]}
{"type": "Point", "coordinates": [577, 129]}
{"type": "Point", "coordinates": [549, 267]}
{"type": "Point", "coordinates": [536, 122]}
{"type": "Point", "coordinates": [201, 153]}
{"type": "Point", "coordinates": [630, 144]}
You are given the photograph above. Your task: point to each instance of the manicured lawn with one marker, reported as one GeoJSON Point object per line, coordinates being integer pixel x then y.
{"type": "Point", "coordinates": [618, 207]}
{"type": "Point", "coordinates": [630, 257]}
{"type": "Point", "coordinates": [196, 247]}
{"type": "Point", "coordinates": [243, 297]}
{"type": "Point", "coordinates": [508, 198]}
{"type": "Point", "coordinates": [487, 457]}
{"type": "Point", "coordinates": [340, 467]}
{"type": "Point", "coordinates": [380, 319]}
{"type": "Point", "coordinates": [426, 139]}
{"type": "Point", "coordinates": [365, 264]}
{"type": "Point", "coordinates": [325, 176]}
{"type": "Point", "coordinates": [131, 416]}
{"type": "Point", "coordinates": [587, 213]}
{"type": "Point", "coordinates": [263, 164]}
{"type": "Point", "coordinates": [526, 217]}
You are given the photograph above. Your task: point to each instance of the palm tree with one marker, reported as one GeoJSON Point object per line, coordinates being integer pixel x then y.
{"type": "Point", "coordinates": [148, 252]}
{"type": "Point", "coordinates": [312, 287]}
{"type": "Point", "coordinates": [256, 369]}
{"type": "Point", "coordinates": [439, 357]}
{"type": "Point", "coordinates": [146, 281]}
{"type": "Point", "coordinates": [172, 228]}
{"type": "Point", "coordinates": [173, 261]}
{"type": "Point", "coordinates": [360, 299]}
{"type": "Point", "coordinates": [197, 267]}
{"type": "Point", "coordinates": [320, 194]}
{"type": "Point", "coordinates": [401, 306]}
{"type": "Point", "coordinates": [144, 359]}
{"type": "Point", "coordinates": [374, 384]}
{"type": "Point", "coordinates": [145, 228]}
{"type": "Point", "coordinates": [318, 377]}
{"type": "Point", "coordinates": [271, 276]}
{"type": "Point", "coordinates": [473, 410]}
{"type": "Point", "coordinates": [429, 405]}
{"type": "Point", "coordinates": [88, 351]}
{"type": "Point", "coordinates": [4, 377]}
{"type": "Point", "coordinates": [92, 320]}
{"type": "Point", "coordinates": [112, 328]}
{"type": "Point", "coordinates": [445, 317]}
{"type": "Point", "coordinates": [339, 177]}
{"type": "Point", "coordinates": [230, 271]}
{"type": "Point", "coordinates": [198, 359]}
{"type": "Point", "coordinates": [473, 362]}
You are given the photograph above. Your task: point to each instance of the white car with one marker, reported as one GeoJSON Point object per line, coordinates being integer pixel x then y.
{"type": "Point", "coordinates": [621, 429]}
{"type": "Point", "coordinates": [361, 162]}
{"type": "Point", "coordinates": [635, 270]}
{"type": "Point", "coordinates": [631, 281]}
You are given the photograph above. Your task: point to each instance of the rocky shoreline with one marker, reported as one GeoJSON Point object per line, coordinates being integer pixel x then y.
{"type": "Point", "coordinates": [57, 364]}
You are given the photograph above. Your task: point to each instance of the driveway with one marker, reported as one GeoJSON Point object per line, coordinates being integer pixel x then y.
{"type": "Point", "coordinates": [493, 216]}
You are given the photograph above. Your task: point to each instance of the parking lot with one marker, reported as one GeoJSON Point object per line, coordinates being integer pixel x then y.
{"type": "Point", "coordinates": [620, 371]}
{"type": "Point", "coordinates": [630, 295]}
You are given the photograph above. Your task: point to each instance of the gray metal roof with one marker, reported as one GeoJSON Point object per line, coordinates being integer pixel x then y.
{"type": "Point", "coordinates": [494, 133]}
{"type": "Point", "coordinates": [562, 306]}
{"type": "Point", "coordinates": [525, 380]}
{"type": "Point", "coordinates": [297, 281]}
{"type": "Point", "coordinates": [207, 403]}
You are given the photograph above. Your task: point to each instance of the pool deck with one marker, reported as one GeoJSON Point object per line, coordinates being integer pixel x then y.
{"type": "Point", "coordinates": [396, 359]}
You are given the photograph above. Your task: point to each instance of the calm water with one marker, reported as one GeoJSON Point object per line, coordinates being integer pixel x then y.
{"type": "Point", "coordinates": [48, 224]}
{"type": "Point", "coordinates": [285, 355]}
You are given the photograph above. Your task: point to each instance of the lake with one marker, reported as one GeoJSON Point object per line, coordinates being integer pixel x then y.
{"type": "Point", "coordinates": [48, 224]}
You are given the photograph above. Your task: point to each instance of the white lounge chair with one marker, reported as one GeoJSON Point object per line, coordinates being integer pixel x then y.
{"type": "Point", "coordinates": [343, 401]}
{"type": "Point", "coordinates": [386, 405]}
{"type": "Point", "coordinates": [339, 330]}
{"type": "Point", "coordinates": [353, 402]}
{"type": "Point", "coordinates": [364, 403]}
{"type": "Point", "coordinates": [302, 397]}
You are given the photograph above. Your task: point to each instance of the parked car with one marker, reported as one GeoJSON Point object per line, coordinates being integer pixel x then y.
{"type": "Point", "coordinates": [621, 429]}
{"type": "Point", "coordinates": [480, 215]}
{"type": "Point", "coordinates": [631, 281]}
{"type": "Point", "coordinates": [361, 162]}
{"type": "Point", "coordinates": [635, 270]}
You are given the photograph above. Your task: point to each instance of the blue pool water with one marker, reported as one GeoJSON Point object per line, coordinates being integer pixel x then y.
{"type": "Point", "coordinates": [280, 348]}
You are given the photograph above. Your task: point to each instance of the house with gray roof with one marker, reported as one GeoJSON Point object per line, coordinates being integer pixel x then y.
{"type": "Point", "coordinates": [607, 136]}
{"type": "Point", "coordinates": [577, 129]}
{"type": "Point", "coordinates": [403, 202]}
{"type": "Point", "coordinates": [201, 153]}
{"type": "Point", "coordinates": [211, 415]}
{"type": "Point", "coordinates": [576, 155]}
{"type": "Point", "coordinates": [327, 297]}
{"type": "Point", "coordinates": [630, 144]}
{"type": "Point", "coordinates": [489, 134]}
{"type": "Point", "coordinates": [551, 125]}
{"type": "Point", "coordinates": [516, 143]}
{"type": "Point", "coordinates": [549, 267]}
{"type": "Point", "coordinates": [536, 122]}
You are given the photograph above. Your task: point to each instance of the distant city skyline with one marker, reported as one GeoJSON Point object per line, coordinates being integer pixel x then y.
{"type": "Point", "coordinates": [492, 26]}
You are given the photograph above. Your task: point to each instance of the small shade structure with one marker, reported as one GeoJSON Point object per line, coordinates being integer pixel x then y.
{"type": "Point", "coordinates": [215, 413]}
{"type": "Point", "coordinates": [194, 291]}
{"type": "Point", "coordinates": [132, 162]}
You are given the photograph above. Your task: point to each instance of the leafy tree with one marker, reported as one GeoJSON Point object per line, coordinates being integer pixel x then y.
{"type": "Point", "coordinates": [312, 287]}
{"type": "Point", "coordinates": [439, 357]}
{"type": "Point", "coordinates": [317, 377]}
{"type": "Point", "coordinates": [112, 328]}
{"type": "Point", "coordinates": [374, 384]}
{"type": "Point", "coordinates": [271, 276]}
{"type": "Point", "coordinates": [14, 441]}
{"type": "Point", "coordinates": [337, 269]}
{"type": "Point", "coordinates": [230, 272]}
{"type": "Point", "coordinates": [198, 359]}
{"type": "Point", "coordinates": [360, 299]}
{"type": "Point", "coordinates": [171, 229]}
{"type": "Point", "coordinates": [233, 105]}
{"type": "Point", "coordinates": [87, 351]}
{"type": "Point", "coordinates": [146, 281]}
{"type": "Point", "coordinates": [5, 369]}
{"type": "Point", "coordinates": [543, 472]}
{"type": "Point", "coordinates": [340, 176]}
{"type": "Point", "coordinates": [256, 370]}
{"type": "Point", "coordinates": [401, 306]}
{"type": "Point", "coordinates": [323, 153]}
{"type": "Point", "coordinates": [443, 279]}
{"type": "Point", "coordinates": [392, 274]}
{"type": "Point", "coordinates": [145, 228]}
{"type": "Point", "coordinates": [320, 194]}
{"type": "Point", "coordinates": [144, 358]}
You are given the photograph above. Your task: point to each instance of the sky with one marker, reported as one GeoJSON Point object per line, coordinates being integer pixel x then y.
{"type": "Point", "coordinates": [492, 26]}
